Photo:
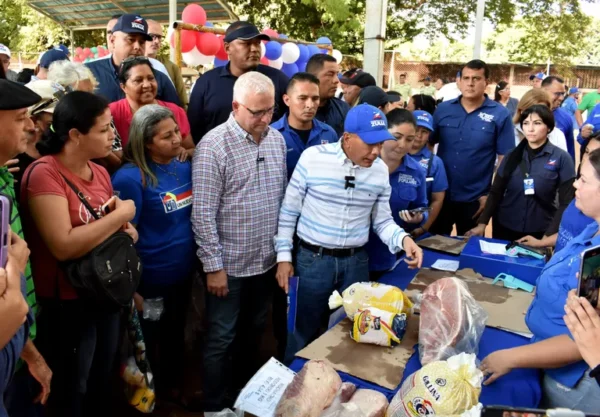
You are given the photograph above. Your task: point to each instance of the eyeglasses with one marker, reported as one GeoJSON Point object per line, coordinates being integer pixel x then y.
{"type": "Point", "coordinates": [156, 37]}
{"type": "Point", "coordinates": [134, 59]}
{"type": "Point", "coordinates": [559, 94]}
{"type": "Point", "coordinates": [259, 114]}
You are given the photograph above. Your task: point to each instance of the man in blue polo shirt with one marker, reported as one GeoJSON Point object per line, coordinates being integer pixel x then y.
{"type": "Point", "coordinates": [299, 127]}
{"type": "Point", "coordinates": [332, 110]}
{"type": "Point", "coordinates": [563, 120]}
{"type": "Point", "coordinates": [212, 95]}
{"type": "Point", "coordinates": [128, 38]}
{"type": "Point", "coordinates": [471, 130]}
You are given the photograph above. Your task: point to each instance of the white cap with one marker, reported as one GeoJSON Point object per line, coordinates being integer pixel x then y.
{"type": "Point", "coordinates": [49, 91]}
{"type": "Point", "coordinates": [4, 50]}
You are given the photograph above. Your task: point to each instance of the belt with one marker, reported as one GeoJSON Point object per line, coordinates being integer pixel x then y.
{"type": "Point", "coordinates": [337, 253]}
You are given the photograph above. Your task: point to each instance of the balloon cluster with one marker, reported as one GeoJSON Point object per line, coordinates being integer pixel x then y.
{"type": "Point", "coordinates": [89, 54]}
{"type": "Point", "coordinates": [207, 48]}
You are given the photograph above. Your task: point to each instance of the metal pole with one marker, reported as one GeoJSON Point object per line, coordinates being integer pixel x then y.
{"type": "Point", "coordinates": [375, 26]}
{"type": "Point", "coordinates": [478, 29]}
{"type": "Point", "coordinates": [72, 42]}
{"type": "Point", "coordinates": [172, 19]}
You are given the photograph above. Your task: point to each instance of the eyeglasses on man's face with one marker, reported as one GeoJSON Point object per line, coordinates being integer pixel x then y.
{"type": "Point", "coordinates": [259, 114]}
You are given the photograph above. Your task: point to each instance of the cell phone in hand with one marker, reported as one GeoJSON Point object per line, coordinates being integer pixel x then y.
{"type": "Point", "coordinates": [108, 206]}
{"type": "Point", "coordinates": [5, 207]}
{"type": "Point", "coordinates": [420, 210]}
{"type": "Point", "coordinates": [589, 275]}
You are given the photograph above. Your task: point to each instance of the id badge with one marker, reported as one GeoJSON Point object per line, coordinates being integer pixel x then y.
{"type": "Point", "coordinates": [528, 186]}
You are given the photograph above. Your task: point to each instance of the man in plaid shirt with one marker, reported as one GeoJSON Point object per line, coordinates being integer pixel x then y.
{"type": "Point", "coordinates": [239, 178]}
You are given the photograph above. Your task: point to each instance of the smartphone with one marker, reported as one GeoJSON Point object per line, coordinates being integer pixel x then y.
{"type": "Point", "coordinates": [589, 275]}
{"type": "Point", "coordinates": [501, 411]}
{"type": "Point", "coordinates": [106, 207]}
{"type": "Point", "coordinates": [5, 207]}
{"type": "Point", "coordinates": [420, 210]}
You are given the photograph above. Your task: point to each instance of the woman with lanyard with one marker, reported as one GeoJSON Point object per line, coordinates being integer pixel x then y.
{"type": "Point", "coordinates": [573, 220]}
{"type": "Point", "coordinates": [407, 180]}
{"type": "Point", "coordinates": [567, 380]}
{"type": "Point", "coordinates": [161, 187]}
{"type": "Point", "coordinates": [502, 96]}
{"type": "Point", "coordinates": [521, 201]}
{"type": "Point", "coordinates": [140, 86]}
{"type": "Point", "coordinates": [437, 182]}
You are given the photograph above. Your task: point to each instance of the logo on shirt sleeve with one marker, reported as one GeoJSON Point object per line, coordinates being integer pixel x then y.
{"type": "Point", "coordinates": [177, 199]}
{"type": "Point", "coordinates": [551, 165]}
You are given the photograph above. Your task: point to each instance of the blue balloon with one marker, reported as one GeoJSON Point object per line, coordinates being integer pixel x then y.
{"type": "Point", "coordinates": [324, 40]}
{"type": "Point", "coordinates": [273, 50]}
{"type": "Point", "coordinates": [209, 25]}
{"type": "Point", "coordinates": [313, 50]}
{"type": "Point", "coordinates": [303, 53]}
{"type": "Point", "coordinates": [220, 62]}
{"type": "Point", "coordinates": [301, 66]}
{"type": "Point", "coordinates": [282, 36]}
{"type": "Point", "coordinates": [289, 69]}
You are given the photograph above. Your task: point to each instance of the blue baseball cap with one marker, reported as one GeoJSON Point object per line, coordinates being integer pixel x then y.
{"type": "Point", "coordinates": [369, 123]}
{"type": "Point", "coordinates": [132, 23]}
{"type": "Point", "coordinates": [63, 48]}
{"type": "Point", "coordinates": [51, 56]}
{"type": "Point", "coordinates": [424, 119]}
{"type": "Point", "coordinates": [573, 90]}
{"type": "Point", "coordinates": [539, 76]}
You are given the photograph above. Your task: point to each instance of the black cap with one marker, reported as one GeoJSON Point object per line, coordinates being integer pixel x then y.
{"type": "Point", "coordinates": [394, 96]}
{"type": "Point", "coordinates": [374, 96]}
{"type": "Point", "coordinates": [359, 78]}
{"type": "Point", "coordinates": [132, 23]}
{"type": "Point", "coordinates": [15, 96]}
{"type": "Point", "coordinates": [244, 31]}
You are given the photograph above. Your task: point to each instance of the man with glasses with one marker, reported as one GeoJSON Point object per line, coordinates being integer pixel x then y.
{"type": "Point", "coordinates": [155, 30]}
{"type": "Point", "coordinates": [239, 179]}
{"type": "Point", "coordinates": [128, 39]}
{"type": "Point", "coordinates": [555, 86]}
{"type": "Point", "coordinates": [5, 61]}
{"type": "Point", "coordinates": [211, 97]}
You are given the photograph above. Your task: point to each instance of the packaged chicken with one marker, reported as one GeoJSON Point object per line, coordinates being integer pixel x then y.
{"type": "Point", "coordinates": [446, 388]}
{"type": "Point", "coordinates": [372, 403]}
{"type": "Point", "coordinates": [378, 327]}
{"type": "Point", "coordinates": [371, 294]}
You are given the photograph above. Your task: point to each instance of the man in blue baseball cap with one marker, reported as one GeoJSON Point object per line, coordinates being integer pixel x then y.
{"type": "Point", "coordinates": [49, 57]}
{"type": "Point", "coordinates": [537, 79]}
{"type": "Point", "coordinates": [337, 193]}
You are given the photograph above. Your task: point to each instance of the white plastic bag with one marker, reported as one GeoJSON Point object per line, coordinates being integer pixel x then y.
{"type": "Point", "coordinates": [452, 321]}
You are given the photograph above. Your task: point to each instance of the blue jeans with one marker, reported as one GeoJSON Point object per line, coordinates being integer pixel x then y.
{"type": "Point", "coordinates": [585, 396]}
{"type": "Point", "coordinates": [240, 316]}
{"type": "Point", "coordinates": [319, 275]}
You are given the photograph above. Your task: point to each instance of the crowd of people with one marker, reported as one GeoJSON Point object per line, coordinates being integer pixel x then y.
{"type": "Point", "coordinates": [263, 178]}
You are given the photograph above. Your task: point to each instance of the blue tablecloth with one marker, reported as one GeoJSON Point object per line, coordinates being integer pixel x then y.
{"type": "Point", "coordinates": [520, 388]}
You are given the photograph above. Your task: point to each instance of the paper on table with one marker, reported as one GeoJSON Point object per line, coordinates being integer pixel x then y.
{"type": "Point", "coordinates": [262, 393]}
{"type": "Point", "coordinates": [492, 248]}
{"type": "Point", "coordinates": [445, 265]}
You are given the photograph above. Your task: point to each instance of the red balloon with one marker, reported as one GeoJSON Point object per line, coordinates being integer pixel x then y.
{"type": "Point", "coordinates": [208, 44]}
{"type": "Point", "coordinates": [264, 60]}
{"type": "Point", "coordinates": [194, 14]}
{"type": "Point", "coordinates": [78, 50]}
{"type": "Point", "coordinates": [221, 53]}
{"type": "Point", "coordinates": [87, 51]}
{"type": "Point", "coordinates": [189, 39]}
{"type": "Point", "coordinates": [272, 33]}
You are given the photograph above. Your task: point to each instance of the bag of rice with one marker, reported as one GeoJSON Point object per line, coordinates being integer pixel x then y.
{"type": "Point", "coordinates": [371, 294]}
{"type": "Point", "coordinates": [378, 327]}
{"type": "Point", "coordinates": [444, 388]}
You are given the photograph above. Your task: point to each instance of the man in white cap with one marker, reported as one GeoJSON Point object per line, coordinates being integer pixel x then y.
{"type": "Point", "coordinates": [5, 56]}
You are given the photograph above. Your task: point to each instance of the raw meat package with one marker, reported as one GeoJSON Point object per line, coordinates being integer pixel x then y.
{"type": "Point", "coordinates": [371, 294]}
{"type": "Point", "coordinates": [442, 388]}
{"type": "Point", "coordinates": [364, 403]}
{"type": "Point", "coordinates": [452, 321]}
{"type": "Point", "coordinates": [378, 327]}
{"type": "Point", "coordinates": [312, 390]}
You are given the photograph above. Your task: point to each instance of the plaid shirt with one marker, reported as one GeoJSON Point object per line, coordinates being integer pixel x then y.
{"type": "Point", "coordinates": [238, 187]}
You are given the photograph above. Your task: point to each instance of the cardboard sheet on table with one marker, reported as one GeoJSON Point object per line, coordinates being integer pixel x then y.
{"type": "Point", "coordinates": [377, 364]}
{"type": "Point", "coordinates": [443, 244]}
{"type": "Point", "coordinates": [506, 308]}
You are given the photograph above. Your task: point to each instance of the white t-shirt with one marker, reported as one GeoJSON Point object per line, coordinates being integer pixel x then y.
{"type": "Point", "coordinates": [448, 92]}
{"type": "Point", "coordinates": [556, 137]}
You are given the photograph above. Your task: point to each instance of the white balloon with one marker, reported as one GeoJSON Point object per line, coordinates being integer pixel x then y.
{"type": "Point", "coordinates": [337, 55]}
{"type": "Point", "coordinates": [195, 58]}
{"type": "Point", "coordinates": [263, 50]}
{"type": "Point", "coordinates": [290, 52]}
{"type": "Point", "coordinates": [278, 63]}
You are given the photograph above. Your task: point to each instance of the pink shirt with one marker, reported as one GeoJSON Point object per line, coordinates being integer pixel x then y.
{"type": "Point", "coordinates": [122, 115]}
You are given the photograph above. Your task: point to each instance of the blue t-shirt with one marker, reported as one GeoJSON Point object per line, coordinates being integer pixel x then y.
{"type": "Point", "coordinates": [468, 144]}
{"type": "Point", "coordinates": [593, 118]}
{"type": "Point", "coordinates": [548, 169]}
{"type": "Point", "coordinates": [436, 178]}
{"type": "Point", "coordinates": [545, 315]}
{"type": "Point", "coordinates": [409, 191]}
{"type": "Point", "coordinates": [564, 123]}
{"type": "Point", "coordinates": [572, 223]}
{"type": "Point", "coordinates": [570, 105]}
{"type": "Point", "coordinates": [166, 243]}
{"type": "Point", "coordinates": [320, 134]}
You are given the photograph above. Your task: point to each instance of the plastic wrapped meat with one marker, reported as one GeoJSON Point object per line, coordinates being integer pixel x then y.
{"type": "Point", "coordinates": [452, 321]}
{"type": "Point", "coordinates": [311, 391]}
{"type": "Point", "coordinates": [370, 402]}
{"type": "Point", "coordinates": [343, 396]}
{"type": "Point", "coordinates": [363, 295]}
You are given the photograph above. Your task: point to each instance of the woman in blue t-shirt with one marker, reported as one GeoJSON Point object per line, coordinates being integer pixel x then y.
{"type": "Point", "coordinates": [567, 381]}
{"type": "Point", "coordinates": [161, 187]}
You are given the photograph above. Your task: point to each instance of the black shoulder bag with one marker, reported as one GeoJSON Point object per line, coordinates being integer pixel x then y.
{"type": "Point", "coordinates": [110, 273]}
